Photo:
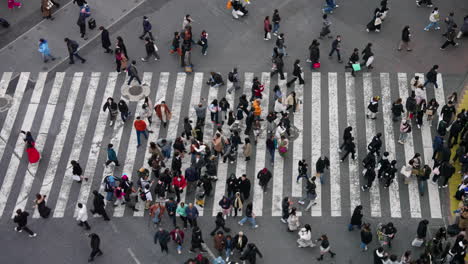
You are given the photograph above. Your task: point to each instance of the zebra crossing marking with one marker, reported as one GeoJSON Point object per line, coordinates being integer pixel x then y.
{"type": "Point", "coordinates": [335, 177]}
{"type": "Point", "coordinates": [316, 135]}
{"type": "Point", "coordinates": [6, 77]}
{"type": "Point", "coordinates": [298, 142]}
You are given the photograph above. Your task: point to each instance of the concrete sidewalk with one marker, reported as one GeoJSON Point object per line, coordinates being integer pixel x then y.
{"type": "Point", "coordinates": [105, 12]}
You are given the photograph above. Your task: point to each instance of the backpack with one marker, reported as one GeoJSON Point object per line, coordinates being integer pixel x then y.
{"type": "Point", "coordinates": [438, 142]}
{"type": "Point", "coordinates": [143, 196]}
{"type": "Point", "coordinates": [231, 76]}
{"type": "Point", "coordinates": [409, 129]}
{"type": "Point", "coordinates": [107, 186]}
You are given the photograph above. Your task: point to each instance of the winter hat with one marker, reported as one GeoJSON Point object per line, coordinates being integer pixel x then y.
{"type": "Point", "coordinates": [124, 177]}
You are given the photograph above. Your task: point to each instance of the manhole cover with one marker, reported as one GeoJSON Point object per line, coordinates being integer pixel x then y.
{"type": "Point", "coordinates": [135, 92]}
{"type": "Point", "coordinates": [5, 103]}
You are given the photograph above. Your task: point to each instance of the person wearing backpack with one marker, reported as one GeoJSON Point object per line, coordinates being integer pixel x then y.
{"type": "Point", "coordinates": [405, 129]}
{"type": "Point", "coordinates": [431, 76]}
{"type": "Point", "coordinates": [72, 47]}
{"type": "Point", "coordinates": [82, 23]}
{"type": "Point", "coordinates": [233, 77]}
{"type": "Point", "coordinates": [434, 18]}
{"type": "Point", "coordinates": [373, 108]}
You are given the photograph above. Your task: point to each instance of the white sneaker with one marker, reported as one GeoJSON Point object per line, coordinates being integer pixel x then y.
{"type": "Point", "coordinates": [16, 229]}
{"type": "Point", "coordinates": [241, 224]}
{"type": "Point", "coordinates": [33, 235]}
{"type": "Point", "coordinates": [265, 39]}
{"type": "Point", "coordinates": [301, 202]}
{"type": "Point", "coordinates": [284, 221]}
{"type": "Point", "coordinates": [255, 226]}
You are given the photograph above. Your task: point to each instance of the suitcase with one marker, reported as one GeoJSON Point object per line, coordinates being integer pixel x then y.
{"type": "Point", "coordinates": [92, 23]}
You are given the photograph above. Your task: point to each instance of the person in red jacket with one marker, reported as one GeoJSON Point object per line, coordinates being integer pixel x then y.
{"type": "Point", "coordinates": [179, 183]}
{"type": "Point", "coordinates": [177, 236]}
{"type": "Point", "coordinates": [267, 28]}
{"type": "Point", "coordinates": [140, 127]}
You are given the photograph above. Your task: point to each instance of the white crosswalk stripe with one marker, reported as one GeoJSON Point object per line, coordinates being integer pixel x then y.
{"type": "Point", "coordinates": [342, 201]}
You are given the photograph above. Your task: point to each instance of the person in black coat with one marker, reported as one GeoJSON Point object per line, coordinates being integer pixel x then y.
{"type": "Point", "coordinates": [244, 186]}
{"type": "Point", "coordinates": [220, 223]}
{"type": "Point", "coordinates": [366, 236]}
{"type": "Point", "coordinates": [370, 176]}
{"type": "Point", "coordinates": [232, 185]}
{"type": "Point", "coordinates": [82, 23]}
{"type": "Point", "coordinates": [122, 47]}
{"type": "Point", "coordinates": [349, 147]}
{"type": "Point", "coordinates": [240, 241]}
{"type": "Point", "coordinates": [356, 218]}
{"type": "Point", "coordinates": [95, 250]}
{"type": "Point", "coordinates": [367, 53]}
{"type": "Point", "coordinates": [353, 59]}
{"type": "Point", "coordinates": [375, 145]}
{"type": "Point", "coordinates": [123, 109]}
{"type": "Point", "coordinates": [336, 46]}
{"type": "Point", "coordinates": [390, 173]}
{"type": "Point", "coordinates": [431, 76]}
{"type": "Point", "coordinates": [150, 50]}
{"type": "Point", "coordinates": [162, 236]}
{"type": "Point", "coordinates": [197, 240]}
{"type": "Point", "coordinates": [322, 163]}
{"type": "Point", "coordinates": [405, 39]}
{"type": "Point", "coordinates": [422, 229]}
{"type": "Point", "coordinates": [297, 73]}
{"type": "Point", "coordinates": [346, 136]}
{"type": "Point", "coordinates": [314, 52]}
{"type": "Point", "coordinates": [278, 61]}
{"type": "Point", "coordinates": [72, 47]}
{"type": "Point", "coordinates": [105, 40]}
{"type": "Point", "coordinates": [380, 255]}
{"type": "Point", "coordinates": [21, 219]}
{"type": "Point", "coordinates": [98, 203]}
{"type": "Point", "coordinates": [264, 177]}
{"type": "Point", "coordinates": [251, 253]}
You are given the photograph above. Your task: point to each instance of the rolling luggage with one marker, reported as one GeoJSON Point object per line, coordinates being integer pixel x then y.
{"type": "Point", "coordinates": [92, 23]}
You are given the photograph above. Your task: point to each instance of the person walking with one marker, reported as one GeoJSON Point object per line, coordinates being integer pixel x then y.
{"type": "Point", "coordinates": [181, 211]}
{"type": "Point", "coordinates": [220, 223]}
{"type": "Point", "coordinates": [370, 176]}
{"type": "Point", "coordinates": [322, 163]}
{"type": "Point", "coordinates": [77, 172]}
{"type": "Point", "coordinates": [44, 50]}
{"type": "Point", "coordinates": [305, 237]}
{"type": "Point", "coordinates": [380, 256]}
{"type": "Point", "coordinates": [140, 128]}
{"type": "Point", "coordinates": [243, 186]}
{"type": "Point", "coordinates": [330, 6]}
{"type": "Point", "coordinates": [192, 215]}
{"type": "Point", "coordinates": [325, 27]}
{"type": "Point", "coordinates": [163, 113]}
{"type": "Point", "coordinates": [405, 39]}
{"type": "Point", "coordinates": [121, 45]}
{"type": "Point", "coordinates": [111, 156]}
{"type": "Point", "coordinates": [267, 27]}
{"type": "Point", "coordinates": [324, 247]}
{"type": "Point", "coordinates": [336, 46]}
{"type": "Point", "coordinates": [177, 236]}
{"type": "Point", "coordinates": [368, 56]}
{"type": "Point", "coordinates": [280, 44]}
{"type": "Point", "coordinates": [271, 144]}
{"type": "Point", "coordinates": [21, 220]}
{"type": "Point", "coordinates": [431, 76]}
{"type": "Point", "coordinates": [162, 236]}
{"type": "Point", "coordinates": [297, 73]}
{"type": "Point", "coordinates": [12, 4]}
{"type": "Point", "coordinates": [233, 77]}
{"type": "Point", "coordinates": [203, 42]}
{"type": "Point", "coordinates": [95, 243]}
{"type": "Point", "coordinates": [146, 28]}
{"type": "Point", "coordinates": [279, 65]}
{"type": "Point", "coordinates": [219, 243]}
{"type": "Point", "coordinates": [314, 54]}
{"type": "Point", "coordinates": [434, 19]}
{"type": "Point", "coordinates": [82, 216]}
{"type": "Point", "coordinates": [72, 47]}
{"type": "Point", "coordinates": [151, 50]}
{"type": "Point", "coordinates": [197, 240]}
{"type": "Point", "coordinates": [356, 218]}
{"type": "Point", "coordinates": [124, 111]}
{"type": "Point", "coordinates": [405, 129]}
{"type": "Point", "coordinates": [276, 19]}
{"type": "Point", "coordinates": [98, 203]}
{"type": "Point", "coordinates": [373, 108]}
{"type": "Point", "coordinates": [105, 40]}
{"type": "Point", "coordinates": [82, 23]}
{"type": "Point", "coordinates": [366, 236]}
{"type": "Point", "coordinates": [346, 136]}
{"type": "Point", "coordinates": [46, 8]}
{"type": "Point", "coordinates": [264, 176]}
{"type": "Point", "coordinates": [311, 194]}
{"type": "Point", "coordinates": [421, 232]}
{"type": "Point", "coordinates": [450, 36]}
{"type": "Point", "coordinates": [40, 204]}
{"type": "Point", "coordinates": [293, 220]}
{"type": "Point", "coordinates": [397, 110]}
{"type": "Point", "coordinates": [113, 110]}
{"type": "Point", "coordinates": [249, 216]}
{"type": "Point", "coordinates": [250, 254]}
{"type": "Point", "coordinates": [353, 59]}
{"type": "Point", "coordinates": [133, 73]}
{"type": "Point", "coordinates": [285, 209]}
{"type": "Point", "coordinates": [349, 147]}
{"type": "Point", "coordinates": [240, 242]}
{"type": "Point", "coordinates": [175, 47]}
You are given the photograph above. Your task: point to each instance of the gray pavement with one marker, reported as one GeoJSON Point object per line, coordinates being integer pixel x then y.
{"type": "Point", "coordinates": [232, 43]}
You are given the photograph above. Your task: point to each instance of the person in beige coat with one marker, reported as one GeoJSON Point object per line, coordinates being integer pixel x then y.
{"type": "Point", "coordinates": [218, 144]}
{"type": "Point", "coordinates": [247, 149]}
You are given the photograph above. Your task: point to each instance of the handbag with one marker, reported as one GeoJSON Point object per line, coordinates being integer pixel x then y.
{"type": "Point", "coordinates": [229, 4]}
{"type": "Point", "coordinates": [155, 47]}
{"type": "Point", "coordinates": [316, 65]}
{"type": "Point", "coordinates": [417, 242]}
{"type": "Point", "coordinates": [356, 67]}
{"type": "Point", "coordinates": [405, 171]}
{"type": "Point", "coordinates": [369, 61]}
{"type": "Point", "coordinates": [282, 150]}
{"type": "Point", "coordinates": [430, 112]}
{"type": "Point", "coordinates": [269, 35]}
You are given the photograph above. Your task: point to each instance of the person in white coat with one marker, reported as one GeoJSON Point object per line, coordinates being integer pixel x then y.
{"type": "Point", "coordinates": [279, 106]}
{"type": "Point", "coordinates": [434, 19]}
{"type": "Point", "coordinates": [293, 220]}
{"type": "Point", "coordinates": [305, 237]}
{"type": "Point", "coordinates": [82, 216]}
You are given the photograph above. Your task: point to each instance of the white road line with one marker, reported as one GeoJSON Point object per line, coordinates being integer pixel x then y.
{"type": "Point", "coordinates": [370, 133]}
{"type": "Point", "coordinates": [335, 178]}
{"type": "Point", "coordinates": [434, 198]}
{"type": "Point", "coordinates": [130, 251]}
{"type": "Point", "coordinates": [4, 83]}
{"type": "Point", "coordinates": [77, 145]}
{"type": "Point", "coordinates": [152, 137]}
{"type": "Point", "coordinates": [316, 136]}
{"type": "Point", "coordinates": [415, 206]}
{"type": "Point", "coordinates": [261, 149]}
{"type": "Point", "coordinates": [5, 135]}
{"type": "Point", "coordinates": [298, 143]}
{"type": "Point", "coordinates": [395, 205]}
{"type": "Point", "coordinates": [220, 188]}
{"type": "Point", "coordinates": [29, 118]}
{"type": "Point", "coordinates": [354, 185]}
{"type": "Point", "coordinates": [439, 92]}
{"type": "Point", "coordinates": [194, 100]}
{"type": "Point", "coordinates": [277, 195]}
{"type": "Point", "coordinates": [129, 164]}
{"type": "Point", "coordinates": [96, 144]}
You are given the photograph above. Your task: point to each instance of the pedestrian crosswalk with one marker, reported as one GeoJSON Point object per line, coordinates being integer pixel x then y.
{"type": "Point", "coordinates": [63, 112]}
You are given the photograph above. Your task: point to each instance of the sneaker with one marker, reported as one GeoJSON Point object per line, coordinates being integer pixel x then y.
{"type": "Point", "coordinates": [265, 39]}
{"type": "Point", "coordinates": [437, 28]}
{"type": "Point", "coordinates": [362, 188]}
{"type": "Point", "coordinates": [299, 202]}
{"type": "Point", "coordinates": [256, 226]}
{"type": "Point", "coordinates": [155, 59]}
{"type": "Point", "coordinates": [377, 30]}
{"type": "Point", "coordinates": [308, 60]}
{"type": "Point", "coordinates": [284, 221]}
{"type": "Point", "coordinates": [445, 186]}
{"type": "Point", "coordinates": [426, 29]}
{"type": "Point", "coordinates": [367, 29]}
{"type": "Point", "coordinates": [33, 235]}
{"type": "Point", "coordinates": [179, 252]}
{"type": "Point", "coordinates": [16, 229]}
{"type": "Point", "coordinates": [143, 59]}
{"type": "Point", "coordinates": [241, 224]}
{"type": "Point", "coordinates": [456, 44]}
{"type": "Point", "coordinates": [442, 48]}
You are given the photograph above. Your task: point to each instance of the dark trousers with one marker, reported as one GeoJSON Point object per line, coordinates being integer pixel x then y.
{"type": "Point", "coordinates": [278, 70]}
{"type": "Point", "coordinates": [218, 227]}
{"type": "Point", "coordinates": [94, 252]}
{"type": "Point", "coordinates": [347, 153]}
{"type": "Point", "coordinates": [124, 115]}
{"type": "Point", "coordinates": [82, 30]}
{"type": "Point", "coordinates": [293, 80]}
{"type": "Point", "coordinates": [447, 42]}
{"type": "Point", "coordinates": [147, 32]}
{"type": "Point", "coordinates": [184, 219]}
{"type": "Point", "coordinates": [75, 54]}
{"type": "Point", "coordinates": [149, 54]}
{"type": "Point", "coordinates": [101, 211]}
{"type": "Point", "coordinates": [116, 162]}
{"type": "Point", "coordinates": [173, 219]}
{"type": "Point", "coordinates": [164, 247]}
{"type": "Point", "coordinates": [453, 136]}
{"type": "Point", "coordinates": [85, 224]}
{"type": "Point", "coordinates": [134, 77]}
{"type": "Point", "coordinates": [118, 65]}
{"type": "Point", "coordinates": [201, 121]}
{"type": "Point", "coordinates": [434, 83]}
{"type": "Point", "coordinates": [337, 52]}
{"type": "Point", "coordinates": [108, 49]}
{"type": "Point", "coordinates": [193, 222]}
{"type": "Point", "coordinates": [25, 228]}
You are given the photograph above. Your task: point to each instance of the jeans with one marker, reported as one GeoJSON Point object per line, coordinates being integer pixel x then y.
{"type": "Point", "coordinates": [250, 219]}
{"type": "Point", "coordinates": [124, 115]}
{"type": "Point", "coordinates": [301, 176]}
{"type": "Point", "coordinates": [134, 77]}
{"type": "Point", "coordinates": [351, 227]}
{"type": "Point", "coordinates": [147, 32]}
{"type": "Point", "coordinates": [166, 152]}
{"type": "Point", "coordinates": [275, 27]}
{"type": "Point", "coordinates": [75, 54]}
{"type": "Point", "coordinates": [403, 136]}
{"type": "Point", "coordinates": [432, 24]}
{"type": "Point", "coordinates": [434, 83]}
{"type": "Point", "coordinates": [138, 136]}
{"type": "Point", "coordinates": [109, 196]}
{"type": "Point", "coordinates": [421, 186]}
{"type": "Point", "coordinates": [446, 43]}
{"type": "Point", "coordinates": [363, 246]}
{"type": "Point", "coordinates": [214, 117]}
{"type": "Point", "coordinates": [204, 48]}
{"type": "Point", "coordinates": [228, 252]}
{"type": "Point", "coordinates": [272, 154]}
{"type": "Point", "coordinates": [330, 6]}
{"type": "Point", "coordinates": [25, 228]}
{"type": "Point", "coordinates": [337, 53]}
{"type": "Point", "coordinates": [46, 56]}
{"type": "Point", "coordinates": [179, 247]}
{"type": "Point", "coordinates": [235, 85]}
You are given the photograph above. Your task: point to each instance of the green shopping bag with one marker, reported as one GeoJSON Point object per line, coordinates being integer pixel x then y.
{"type": "Point", "coordinates": [357, 67]}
